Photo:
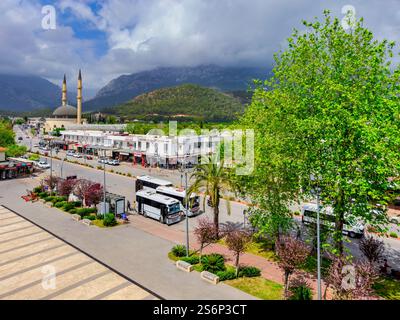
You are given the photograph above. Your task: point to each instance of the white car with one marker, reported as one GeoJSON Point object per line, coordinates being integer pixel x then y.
{"type": "Point", "coordinates": [70, 153]}
{"type": "Point", "coordinates": [43, 164]}
{"type": "Point", "coordinates": [77, 155]}
{"type": "Point", "coordinates": [113, 162]}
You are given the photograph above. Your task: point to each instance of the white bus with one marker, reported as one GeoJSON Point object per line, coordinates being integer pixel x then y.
{"type": "Point", "coordinates": [180, 195]}
{"type": "Point", "coordinates": [327, 219]}
{"type": "Point", "coordinates": [156, 206]}
{"type": "Point", "coordinates": [150, 183]}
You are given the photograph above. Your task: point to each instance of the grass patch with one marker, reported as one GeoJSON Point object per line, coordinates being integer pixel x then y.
{"type": "Point", "coordinates": [311, 265]}
{"type": "Point", "coordinates": [387, 288]}
{"type": "Point", "coordinates": [258, 287]}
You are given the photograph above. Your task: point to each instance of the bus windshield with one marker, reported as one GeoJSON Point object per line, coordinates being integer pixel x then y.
{"type": "Point", "coordinates": [174, 208]}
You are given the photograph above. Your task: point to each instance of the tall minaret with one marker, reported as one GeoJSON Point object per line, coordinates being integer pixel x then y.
{"type": "Point", "coordinates": [79, 99]}
{"type": "Point", "coordinates": [64, 92]}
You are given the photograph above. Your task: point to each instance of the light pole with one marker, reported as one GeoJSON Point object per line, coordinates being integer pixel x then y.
{"type": "Point", "coordinates": [61, 169]}
{"type": "Point", "coordinates": [51, 168]}
{"type": "Point", "coordinates": [317, 190]}
{"type": "Point", "coordinates": [104, 184]}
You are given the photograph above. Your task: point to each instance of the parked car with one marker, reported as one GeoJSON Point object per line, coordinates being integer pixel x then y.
{"type": "Point", "coordinates": [19, 138]}
{"type": "Point", "coordinates": [43, 164]}
{"type": "Point", "coordinates": [88, 157]}
{"type": "Point", "coordinates": [70, 153]}
{"type": "Point", "coordinates": [77, 155]}
{"type": "Point", "coordinates": [35, 145]}
{"type": "Point", "coordinates": [102, 160]}
{"type": "Point", "coordinates": [113, 162]}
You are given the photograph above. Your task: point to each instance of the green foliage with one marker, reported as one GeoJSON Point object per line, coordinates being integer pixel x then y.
{"type": "Point", "coordinates": [249, 271]}
{"type": "Point", "coordinates": [302, 292]}
{"type": "Point", "coordinates": [15, 151]}
{"type": "Point", "coordinates": [191, 259]}
{"type": "Point", "coordinates": [91, 217]}
{"type": "Point", "coordinates": [85, 211]}
{"type": "Point", "coordinates": [38, 189]}
{"type": "Point", "coordinates": [109, 220]}
{"type": "Point", "coordinates": [60, 204]}
{"type": "Point", "coordinates": [387, 288]}
{"type": "Point", "coordinates": [393, 234]}
{"type": "Point", "coordinates": [185, 102]}
{"type": "Point", "coordinates": [179, 250]}
{"type": "Point", "coordinates": [331, 110]}
{"type": "Point", "coordinates": [71, 211]}
{"type": "Point", "coordinates": [68, 207]}
{"type": "Point", "coordinates": [34, 157]}
{"type": "Point", "coordinates": [213, 262]}
{"type": "Point", "coordinates": [49, 198]}
{"type": "Point", "coordinates": [7, 135]}
{"type": "Point", "coordinates": [43, 195]}
{"type": "Point", "coordinates": [226, 275]}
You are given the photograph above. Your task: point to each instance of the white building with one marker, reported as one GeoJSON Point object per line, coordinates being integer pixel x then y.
{"type": "Point", "coordinates": [142, 149]}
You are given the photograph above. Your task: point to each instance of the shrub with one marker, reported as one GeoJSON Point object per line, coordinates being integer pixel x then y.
{"type": "Point", "coordinates": [85, 211]}
{"type": "Point", "coordinates": [129, 174]}
{"type": "Point", "coordinates": [77, 203]}
{"type": "Point", "coordinates": [393, 234]}
{"type": "Point", "coordinates": [109, 220]}
{"type": "Point", "coordinates": [49, 198]}
{"type": "Point", "coordinates": [89, 217]}
{"type": "Point", "coordinates": [68, 206]}
{"type": "Point", "coordinates": [179, 250]}
{"type": "Point", "coordinates": [58, 199]}
{"type": "Point", "coordinates": [249, 271]}
{"type": "Point", "coordinates": [38, 189]}
{"type": "Point", "coordinates": [72, 211]}
{"type": "Point", "coordinates": [99, 167]}
{"type": "Point", "coordinates": [226, 275]}
{"type": "Point", "coordinates": [43, 195]}
{"type": "Point", "coordinates": [99, 217]}
{"type": "Point", "coordinates": [60, 204]}
{"type": "Point", "coordinates": [191, 259]}
{"type": "Point", "coordinates": [301, 292]}
{"type": "Point", "coordinates": [213, 262]}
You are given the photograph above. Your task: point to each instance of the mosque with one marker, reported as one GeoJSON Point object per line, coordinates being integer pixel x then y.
{"type": "Point", "coordinates": [66, 115]}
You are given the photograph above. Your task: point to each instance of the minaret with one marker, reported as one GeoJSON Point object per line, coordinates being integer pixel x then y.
{"type": "Point", "coordinates": [79, 99]}
{"type": "Point", "coordinates": [64, 92]}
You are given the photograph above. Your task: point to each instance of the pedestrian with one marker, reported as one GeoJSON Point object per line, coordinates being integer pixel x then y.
{"type": "Point", "coordinates": [128, 205]}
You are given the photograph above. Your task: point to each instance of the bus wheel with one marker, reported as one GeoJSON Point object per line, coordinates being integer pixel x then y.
{"type": "Point", "coordinates": [352, 234]}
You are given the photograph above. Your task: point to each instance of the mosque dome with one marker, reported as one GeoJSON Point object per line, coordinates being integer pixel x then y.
{"type": "Point", "coordinates": [66, 111]}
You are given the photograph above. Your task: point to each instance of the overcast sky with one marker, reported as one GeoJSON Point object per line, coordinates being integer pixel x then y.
{"type": "Point", "coordinates": [107, 38]}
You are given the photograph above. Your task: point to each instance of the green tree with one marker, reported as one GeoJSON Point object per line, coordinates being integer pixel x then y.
{"type": "Point", "coordinates": [15, 150]}
{"type": "Point", "coordinates": [214, 179]}
{"type": "Point", "coordinates": [331, 110]}
{"type": "Point", "coordinates": [7, 135]}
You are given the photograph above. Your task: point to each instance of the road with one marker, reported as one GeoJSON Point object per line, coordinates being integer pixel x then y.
{"type": "Point", "coordinates": [125, 186]}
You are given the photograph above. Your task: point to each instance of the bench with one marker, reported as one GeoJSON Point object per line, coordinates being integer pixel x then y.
{"type": "Point", "coordinates": [209, 277]}
{"type": "Point", "coordinates": [184, 266]}
{"type": "Point", "coordinates": [87, 222]}
{"type": "Point", "coordinates": [76, 217]}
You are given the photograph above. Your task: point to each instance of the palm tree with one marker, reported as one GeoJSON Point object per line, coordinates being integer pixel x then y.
{"type": "Point", "coordinates": [213, 178]}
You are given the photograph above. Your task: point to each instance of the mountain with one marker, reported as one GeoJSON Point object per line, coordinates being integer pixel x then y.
{"type": "Point", "coordinates": [26, 93]}
{"type": "Point", "coordinates": [185, 102]}
{"type": "Point", "coordinates": [127, 87]}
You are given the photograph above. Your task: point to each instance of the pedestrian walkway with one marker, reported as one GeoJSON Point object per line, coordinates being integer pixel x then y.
{"type": "Point", "coordinates": [269, 269]}
{"type": "Point", "coordinates": [37, 265]}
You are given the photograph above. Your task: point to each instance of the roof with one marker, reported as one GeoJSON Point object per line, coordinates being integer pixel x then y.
{"type": "Point", "coordinates": [156, 197]}
{"type": "Point", "coordinates": [160, 182]}
{"type": "Point", "coordinates": [179, 192]}
{"type": "Point", "coordinates": [66, 110]}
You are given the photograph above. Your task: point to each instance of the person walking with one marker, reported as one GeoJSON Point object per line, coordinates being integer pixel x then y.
{"type": "Point", "coordinates": [128, 206]}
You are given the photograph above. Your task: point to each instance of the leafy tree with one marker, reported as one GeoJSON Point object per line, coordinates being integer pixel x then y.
{"type": "Point", "coordinates": [237, 240]}
{"type": "Point", "coordinates": [205, 233]}
{"type": "Point", "coordinates": [81, 189]}
{"type": "Point", "coordinates": [7, 135]}
{"type": "Point", "coordinates": [66, 186]}
{"type": "Point", "coordinates": [331, 109]}
{"type": "Point", "coordinates": [94, 194]}
{"type": "Point", "coordinates": [350, 280]}
{"type": "Point", "coordinates": [214, 179]}
{"type": "Point", "coordinates": [15, 150]}
{"type": "Point", "coordinates": [291, 253]}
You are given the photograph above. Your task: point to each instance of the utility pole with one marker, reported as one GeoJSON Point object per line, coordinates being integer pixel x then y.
{"type": "Point", "coordinates": [104, 185]}
{"type": "Point", "coordinates": [187, 216]}
{"type": "Point", "coordinates": [51, 168]}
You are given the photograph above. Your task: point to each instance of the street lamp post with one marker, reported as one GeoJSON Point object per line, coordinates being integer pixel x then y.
{"type": "Point", "coordinates": [317, 190]}
{"type": "Point", "coordinates": [104, 184]}
{"type": "Point", "coordinates": [51, 168]}
{"type": "Point", "coordinates": [61, 169]}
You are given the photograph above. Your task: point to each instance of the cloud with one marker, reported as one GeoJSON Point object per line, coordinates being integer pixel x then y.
{"type": "Point", "coordinates": [143, 34]}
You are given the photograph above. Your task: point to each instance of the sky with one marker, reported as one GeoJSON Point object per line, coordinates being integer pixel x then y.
{"type": "Point", "coordinates": [108, 38]}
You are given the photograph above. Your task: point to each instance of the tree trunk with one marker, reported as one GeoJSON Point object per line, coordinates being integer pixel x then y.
{"type": "Point", "coordinates": [287, 274]}
{"type": "Point", "coordinates": [201, 251]}
{"type": "Point", "coordinates": [216, 218]}
{"type": "Point", "coordinates": [237, 265]}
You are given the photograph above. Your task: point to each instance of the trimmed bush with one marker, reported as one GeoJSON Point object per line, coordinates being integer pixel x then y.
{"type": "Point", "coordinates": [213, 263]}
{"type": "Point", "coordinates": [179, 250]}
{"type": "Point", "coordinates": [249, 272]}
{"type": "Point", "coordinates": [60, 204]}
{"type": "Point", "coordinates": [58, 199]}
{"type": "Point", "coordinates": [226, 275]}
{"type": "Point", "coordinates": [43, 195]}
{"type": "Point", "coordinates": [49, 198]}
{"type": "Point", "coordinates": [38, 189]}
{"type": "Point", "coordinates": [72, 211]}
{"type": "Point", "coordinates": [99, 217]}
{"type": "Point", "coordinates": [85, 211]}
{"type": "Point", "coordinates": [191, 259]}
{"type": "Point", "coordinates": [68, 206]}
{"type": "Point", "coordinates": [109, 220]}
{"type": "Point", "coordinates": [89, 217]}
{"type": "Point", "coordinates": [393, 234]}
